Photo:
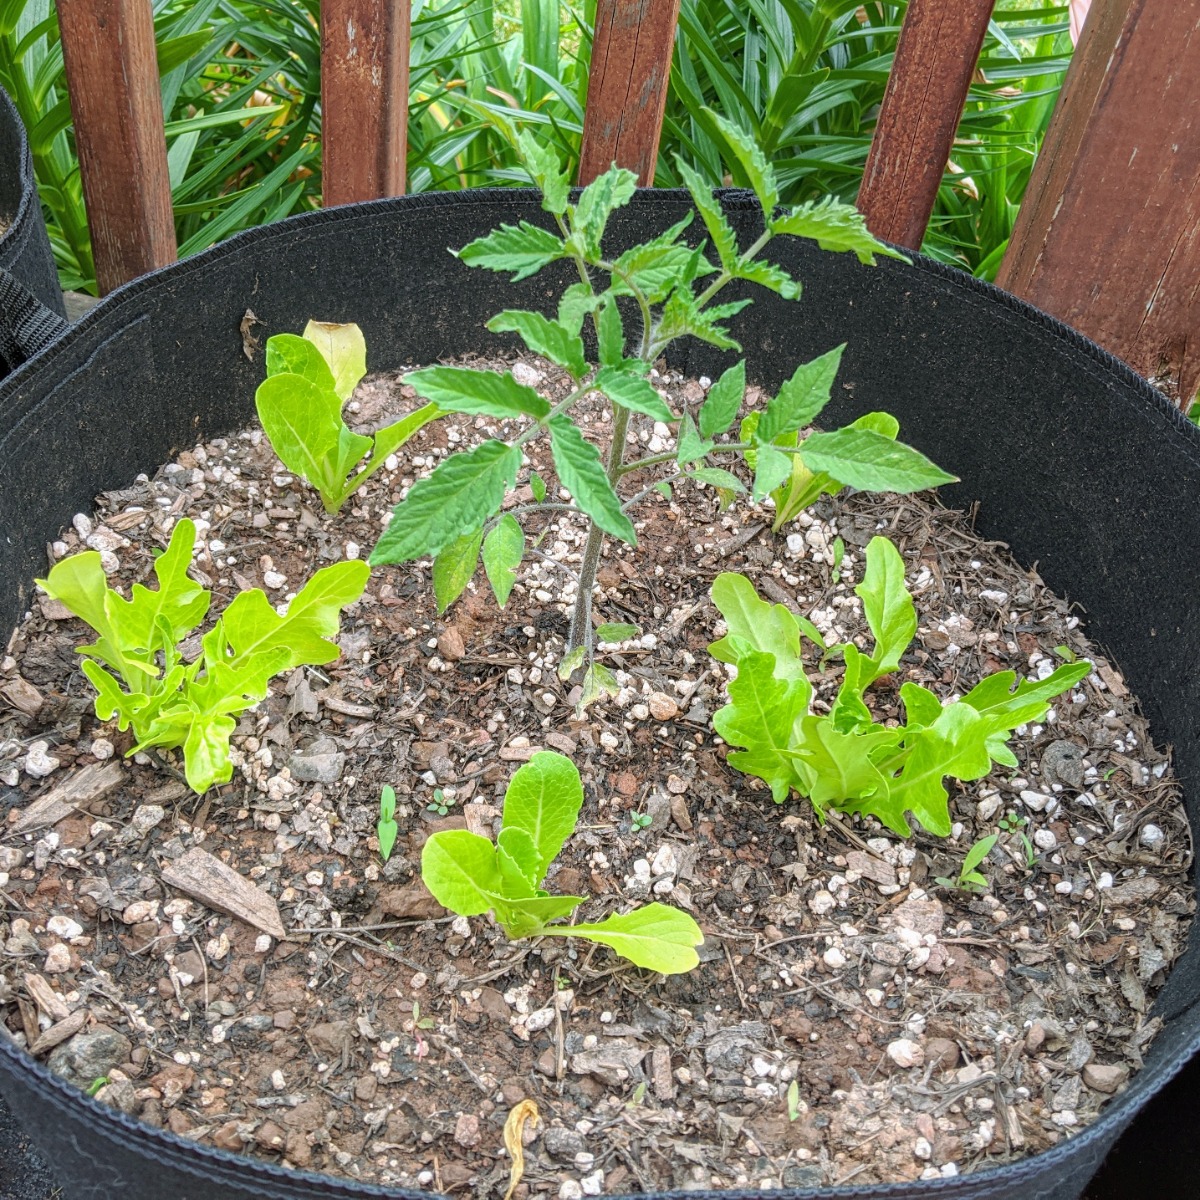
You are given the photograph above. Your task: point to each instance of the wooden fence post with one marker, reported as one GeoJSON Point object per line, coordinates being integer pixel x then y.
{"type": "Point", "coordinates": [627, 88]}
{"type": "Point", "coordinates": [935, 59]}
{"type": "Point", "coordinates": [364, 98]}
{"type": "Point", "coordinates": [1108, 238]}
{"type": "Point", "coordinates": [116, 105]}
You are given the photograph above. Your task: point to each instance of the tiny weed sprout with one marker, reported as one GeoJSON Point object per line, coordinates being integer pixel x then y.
{"type": "Point", "coordinates": [439, 804]}
{"type": "Point", "coordinates": [470, 875]}
{"type": "Point", "coordinates": [969, 879]}
{"type": "Point", "coordinates": [138, 666]}
{"type": "Point", "coordinates": [793, 1101]}
{"type": "Point", "coordinates": [300, 402]}
{"type": "Point", "coordinates": [844, 758]}
{"type": "Point", "coordinates": [386, 829]}
{"type": "Point", "coordinates": [639, 821]}
{"type": "Point", "coordinates": [664, 289]}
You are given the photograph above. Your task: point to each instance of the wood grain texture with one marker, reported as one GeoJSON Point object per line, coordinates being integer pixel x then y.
{"type": "Point", "coordinates": [627, 87]}
{"type": "Point", "coordinates": [1108, 238]}
{"type": "Point", "coordinates": [364, 98]}
{"type": "Point", "coordinates": [936, 56]}
{"type": "Point", "coordinates": [112, 78]}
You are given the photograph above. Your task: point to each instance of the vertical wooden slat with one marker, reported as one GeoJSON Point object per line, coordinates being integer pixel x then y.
{"type": "Point", "coordinates": [1108, 237]}
{"type": "Point", "coordinates": [364, 98]}
{"type": "Point", "coordinates": [627, 87]}
{"type": "Point", "coordinates": [112, 77]}
{"type": "Point", "coordinates": [935, 59]}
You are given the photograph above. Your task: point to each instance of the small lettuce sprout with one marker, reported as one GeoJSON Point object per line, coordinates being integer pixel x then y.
{"type": "Point", "coordinates": [138, 667]}
{"type": "Point", "coordinates": [300, 402]}
{"type": "Point", "coordinates": [386, 829]}
{"type": "Point", "coordinates": [845, 759]}
{"type": "Point", "coordinates": [469, 874]}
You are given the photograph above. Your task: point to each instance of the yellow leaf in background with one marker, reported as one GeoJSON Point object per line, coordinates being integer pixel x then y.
{"type": "Point", "coordinates": [514, 1128]}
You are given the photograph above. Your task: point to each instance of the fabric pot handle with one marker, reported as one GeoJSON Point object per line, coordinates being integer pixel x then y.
{"type": "Point", "coordinates": [26, 324]}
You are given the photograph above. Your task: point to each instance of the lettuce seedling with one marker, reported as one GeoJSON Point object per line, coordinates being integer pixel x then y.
{"type": "Point", "coordinates": [300, 402]}
{"type": "Point", "coordinates": [469, 874]}
{"type": "Point", "coordinates": [138, 668]}
{"type": "Point", "coordinates": [668, 288]}
{"type": "Point", "coordinates": [844, 758]}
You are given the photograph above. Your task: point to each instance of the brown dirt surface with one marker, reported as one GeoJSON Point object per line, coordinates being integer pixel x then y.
{"type": "Point", "coordinates": [852, 1018]}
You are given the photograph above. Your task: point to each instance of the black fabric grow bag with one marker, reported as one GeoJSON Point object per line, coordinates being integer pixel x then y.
{"type": "Point", "coordinates": [1074, 461]}
{"type": "Point", "coordinates": [28, 279]}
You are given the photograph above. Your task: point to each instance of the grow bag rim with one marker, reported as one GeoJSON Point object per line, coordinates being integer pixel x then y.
{"type": "Point", "coordinates": [191, 1158]}
{"type": "Point", "coordinates": [734, 199]}
{"type": "Point", "coordinates": [25, 173]}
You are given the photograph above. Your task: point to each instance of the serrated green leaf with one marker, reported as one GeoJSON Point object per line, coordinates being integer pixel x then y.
{"type": "Point", "coordinates": [575, 304]}
{"type": "Point", "coordinates": [654, 267]}
{"type": "Point", "coordinates": [598, 681]}
{"type": "Point", "coordinates": [490, 393]}
{"type": "Point", "coordinates": [630, 390]}
{"type": "Point", "coordinates": [550, 339]}
{"type": "Point", "coordinates": [770, 276]}
{"type": "Point", "coordinates": [453, 568]}
{"type": "Point", "coordinates": [615, 632]}
{"type": "Point", "coordinates": [887, 605]}
{"type": "Point", "coordinates": [724, 240]}
{"type": "Point", "coordinates": [583, 475]}
{"type": "Point", "coordinates": [609, 334]}
{"type": "Point", "coordinates": [288, 354]}
{"type": "Point", "coordinates": [655, 936]}
{"type": "Point", "coordinates": [759, 173]}
{"type": "Point", "coordinates": [344, 350]}
{"type": "Point", "coordinates": [871, 462]}
{"type": "Point", "coordinates": [761, 715]}
{"type": "Point", "coordinates": [597, 202]}
{"type": "Point", "coordinates": [523, 249]}
{"type": "Point", "coordinates": [537, 485]}
{"type": "Point", "coordinates": [801, 398]}
{"type": "Point", "coordinates": [771, 468]}
{"type": "Point", "coordinates": [766, 628]}
{"type": "Point", "coordinates": [681, 316]}
{"type": "Point", "coordinates": [462, 493]}
{"type": "Point", "coordinates": [724, 398]}
{"type": "Point", "coordinates": [544, 799]}
{"type": "Point", "coordinates": [460, 869]}
{"type": "Point", "coordinates": [572, 662]}
{"type": "Point", "coordinates": [690, 446]}
{"type": "Point", "coordinates": [546, 171]}
{"type": "Point", "coordinates": [503, 550]}
{"type": "Point", "coordinates": [718, 477]}
{"type": "Point", "coordinates": [834, 225]}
